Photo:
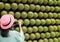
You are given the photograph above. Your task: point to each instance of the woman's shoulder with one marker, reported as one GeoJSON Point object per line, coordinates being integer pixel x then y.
{"type": "Point", "coordinates": [13, 31]}
{"type": "Point", "coordinates": [16, 33]}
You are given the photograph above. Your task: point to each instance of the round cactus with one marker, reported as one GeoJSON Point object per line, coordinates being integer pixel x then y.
{"type": "Point", "coordinates": [57, 9]}
{"type": "Point", "coordinates": [50, 15]}
{"type": "Point", "coordinates": [32, 36]}
{"type": "Point", "coordinates": [24, 29]}
{"type": "Point", "coordinates": [35, 14]}
{"type": "Point", "coordinates": [55, 40]}
{"type": "Point", "coordinates": [58, 15]}
{"type": "Point", "coordinates": [55, 2]}
{"type": "Point", "coordinates": [53, 21]}
{"type": "Point", "coordinates": [14, 6]}
{"type": "Point", "coordinates": [20, 6]}
{"type": "Point", "coordinates": [23, 1]}
{"type": "Point", "coordinates": [58, 2]}
{"type": "Point", "coordinates": [52, 34]}
{"type": "Point", "coordinates": [48, 21]}
{"type": "Point", "coordinates": [40, 1]}
{"type": "Point", "coordinates": [43, 22]}
{"type": "Point", "coordinates": [37, 35]}
{"type": "Point", "coordinates": [1, 5]}
{"type": "Point", "coordinates": [42, 35]}
{"type": "Point", "coordinates": [7, 6]}
{"type": "Point", "coordinates": [27, 36]}
{"type": "Point", "coordinates": [30, 14]}
{"type": "Point", "coordinates": [17, 29]}
{"type": "Point", "coordinates": [24, 14]}
{"type": "Point", "coordinates": [57, 21]}
{"type": "Point", "coordinates": [55, 28]}
{"type": "Point", "coordinates": [45, 15]}
{"type": "Point", "coordinates": [50, 2]}
{"type": "Point", "coordinates": [17, 15]}
{"type": "Point", "coordinates": [45, 40]}
{"type": "Point", "coordinates": [3, 12]}
{"type": "Point", "coordinates": [40, 40]}
{"type": "Point", "coordinates": [40, 14]}
{"type": "Point", "coordinates": [52, 8]}
{"type": "Point", "coordinates": [29, 30]}
{"type": "Point", "coordinates": [47, 35]}
{"type": "Point", "coordinates": [26, 22]}
{"type": "Point", "coordinates": [32, 21]}
{"type": "Point", "coordinates": [50, 40]}
{"type": "Point", "coordinates": [57, 34]}
{"type": "Point", "coordinates": [55, 15]}
{"type": "Point", "coordinates": [32, 7]}
{"type": "Point", "coordinates": [35, 1]}
{"type": "Point", "coordinates": [34, 40]}
{"type": "Point", "coordinates": [29, 40]}
{"type": "Point", "coordinates": [30, 1]}
{"type": "Point", "coordinates": [26, 7]}
{"type": "Point", "coordinates": [45, 28]}
{"type": "Point", "coordinates": [42, 8]}
{"type": "Point", "coordinates": [59, 39]}
{"type": "Point", "coordinates": [58, 27]}
{"type": "Point", "coordinates": [11, 12]}
{"type": "Point", "coordinates": [38, 22]}
{"type": "Point", "coordinates": [37, 7]}
{"type": "Point", "coordinates": [45, 2]}
{"type": "Point", "coordinates": [47, 8]}
{"type": "Point", "coordinates": [51, 28]}
{"type": "Point", "coordinates": [40, 28]}
{"type": "Point", "coordinates": [35, 29]}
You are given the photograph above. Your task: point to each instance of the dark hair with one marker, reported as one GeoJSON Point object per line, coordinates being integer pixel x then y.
{"type": "Point", "coordinates": [4, 33]}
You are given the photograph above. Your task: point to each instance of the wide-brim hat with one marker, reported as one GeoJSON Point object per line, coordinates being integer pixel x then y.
{"type": "Point", "coordinates": [7, 21]}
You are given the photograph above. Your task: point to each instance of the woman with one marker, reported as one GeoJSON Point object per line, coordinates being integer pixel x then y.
{"type": "Point", "coordinates": [7, 35]}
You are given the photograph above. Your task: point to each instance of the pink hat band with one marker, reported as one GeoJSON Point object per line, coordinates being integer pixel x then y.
{"type": "Point", "coordinates": [6, 21]}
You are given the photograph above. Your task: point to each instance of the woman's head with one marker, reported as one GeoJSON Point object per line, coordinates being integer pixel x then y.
{"type": "Point", "coordinates": [6, 22]}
